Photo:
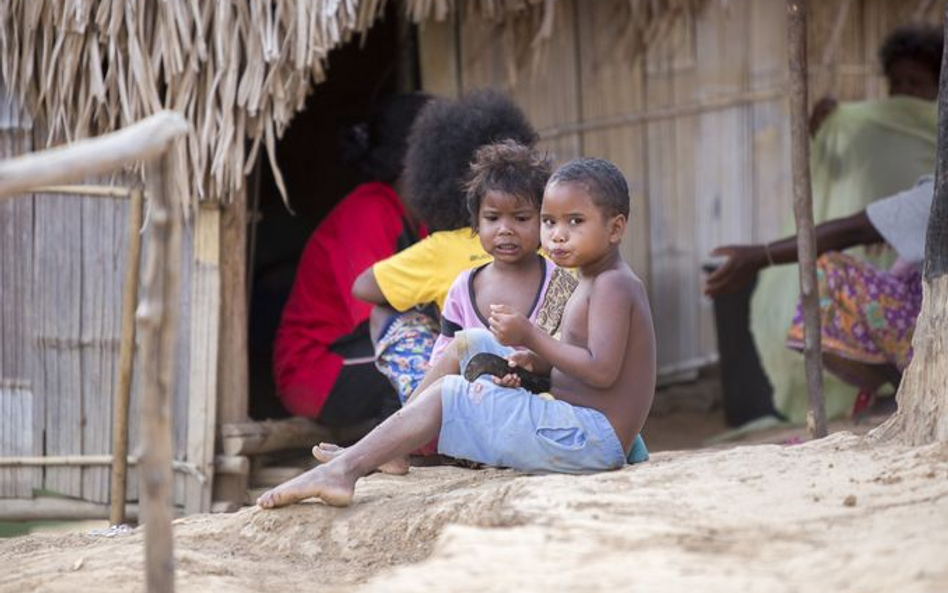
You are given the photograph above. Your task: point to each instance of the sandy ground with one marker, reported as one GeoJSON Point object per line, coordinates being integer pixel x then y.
{"type": "Point", "coordinates": [752, 512]}
{"type": "Point", "coordinates": [830, 515]}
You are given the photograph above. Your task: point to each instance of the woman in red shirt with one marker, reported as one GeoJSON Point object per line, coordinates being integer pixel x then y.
{"type": "Point", "coordinates": [323, 356]}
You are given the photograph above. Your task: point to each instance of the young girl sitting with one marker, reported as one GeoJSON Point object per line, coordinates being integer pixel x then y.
{"type": "Point", "coordinates": [504, 192]}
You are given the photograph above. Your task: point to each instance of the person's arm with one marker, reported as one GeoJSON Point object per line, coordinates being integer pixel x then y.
{"type": "Point", "coordinates": [600, 362]}
{"type": "Point", "coordinates": [744, 261]}
{"type": "Point", "coordinates": [366, 288]}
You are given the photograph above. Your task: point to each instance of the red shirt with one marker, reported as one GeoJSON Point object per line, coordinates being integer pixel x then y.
{"type": "Point", "coordinates": [362, 229]}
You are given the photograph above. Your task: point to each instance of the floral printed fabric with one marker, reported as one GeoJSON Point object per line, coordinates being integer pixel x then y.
{"type": "Point", "coordinates": [867, 315]}
{"type": "Point", "coordinates": [404, 348]}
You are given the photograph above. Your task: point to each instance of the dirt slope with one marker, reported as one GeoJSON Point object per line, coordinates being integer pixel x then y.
{"type": "Point", "coordinates": [834, 515]}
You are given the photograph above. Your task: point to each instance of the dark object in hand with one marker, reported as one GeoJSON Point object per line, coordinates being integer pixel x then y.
{"type": "Point", "coordinates": [485, 363]}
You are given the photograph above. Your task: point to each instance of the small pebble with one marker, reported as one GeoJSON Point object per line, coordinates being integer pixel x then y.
{"type": "Point", "coordinates": [849, 501]}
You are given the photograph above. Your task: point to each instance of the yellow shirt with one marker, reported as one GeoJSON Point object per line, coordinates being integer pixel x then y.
{"type": "Point", "coordinates": [424, 272]}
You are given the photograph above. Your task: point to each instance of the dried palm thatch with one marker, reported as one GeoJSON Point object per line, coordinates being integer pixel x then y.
{"type": "Point", "coordinates": [236, 69]}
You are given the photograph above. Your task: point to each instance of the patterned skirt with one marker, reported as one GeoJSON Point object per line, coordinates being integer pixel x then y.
{"type": "Point", "coordinates": [403, 350]}
{"type": "Point", "coordinates": [867, 315]}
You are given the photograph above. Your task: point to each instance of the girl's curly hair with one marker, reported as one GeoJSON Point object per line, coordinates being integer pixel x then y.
{"type": "Point", "coordinates": [510, 168]}
{"type": "Point", "coordinates": [442, 144]}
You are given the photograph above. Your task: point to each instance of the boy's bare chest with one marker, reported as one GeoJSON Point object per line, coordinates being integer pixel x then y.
{"type": "Point", "coordinates": [575, 325]}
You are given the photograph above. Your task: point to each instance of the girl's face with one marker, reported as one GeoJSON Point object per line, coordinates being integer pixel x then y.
{"type": "Point", "coordinates": [508, 227]}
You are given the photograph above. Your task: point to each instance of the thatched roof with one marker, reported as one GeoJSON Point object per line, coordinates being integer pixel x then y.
{"type": "Point", "coordinates": [235, 69]}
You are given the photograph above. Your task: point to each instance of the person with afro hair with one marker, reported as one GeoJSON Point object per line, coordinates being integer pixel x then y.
{"type": "Point", "coordinates": [322, 353]}
{"type": "Point", "coordinates": [409, 288]}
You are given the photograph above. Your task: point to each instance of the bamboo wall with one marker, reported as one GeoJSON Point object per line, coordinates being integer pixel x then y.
{"type": "Point", "coordinates": [699, 124]}
{"type": "Point", "coordinates": [62, 266]}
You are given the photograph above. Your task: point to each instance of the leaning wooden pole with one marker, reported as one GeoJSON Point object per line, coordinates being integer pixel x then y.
{"type": "Point", "coordinates": [123, 383]}
{"type": "Point", "coordinates": [158, 321]}
{"type": "Point", "coordinates": [803, 213]}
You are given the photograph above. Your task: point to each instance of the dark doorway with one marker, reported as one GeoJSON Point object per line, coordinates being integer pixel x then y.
{"type": "Point", "coordinates": [359, 73]}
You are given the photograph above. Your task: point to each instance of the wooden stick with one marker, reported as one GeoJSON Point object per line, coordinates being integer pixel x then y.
{"type": "Point", "coordinates": [803, 213]}
{"type": "Point", "coordinates": [49, 508]}
{"type": "Point", "coordinates": [663, 113]}
{"type": "Point", "coordinates": [158, 321]}
{"type": "Point", "coordinates": [73, 162]}
{"type": "Point", "coordinates": [251, 438]}
{"type": "Point", "coordinates": [123, 383]}
{"type": "Point", "coordinates": [91, 460]}
{"type": "Point", "coordinates": [89, 191]}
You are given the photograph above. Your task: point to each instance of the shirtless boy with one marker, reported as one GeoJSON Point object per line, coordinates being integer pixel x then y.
{"type": "Point", "coordinates": [602, 370]}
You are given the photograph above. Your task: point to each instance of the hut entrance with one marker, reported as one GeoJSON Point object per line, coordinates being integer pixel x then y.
{"type": "Point", "coordinates": [359, 74]}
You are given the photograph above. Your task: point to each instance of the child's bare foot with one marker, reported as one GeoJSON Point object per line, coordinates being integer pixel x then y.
{"type": "Point", "coordinates": [320, 482]}
{"type": "Point", "coordinates": [327, 451]}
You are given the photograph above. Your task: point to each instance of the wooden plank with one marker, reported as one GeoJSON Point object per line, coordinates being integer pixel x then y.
{"type": "Point", "coordinates": [123, 379]}
{"type": "Point", "coordinates": [56, 509]}
{"type": "Point", "coordinates": [202, 391]}
{"type": "Point", "coordinates": [438, 56]}
{"type": "Point", "coordinates": [723, 179]}
{"type": "Point", "coordinates": [769, 134]}
{"type": "Point", "coordinates": [670, 72]}
{"type": "Point", "coordinates": [501, 57]}
{"type": "Point", "coordinates": [232, 378]}
{"type": "Point", "coordinates": [104, 249]}
{"type": "Point", "coordinates": [57, 287]}
{"type": "Point", "coordinates": [20, 426]}
{"type": "Point", "coordinates": [611, 85]}
{"type": "Point", "coordinates": [16, 438]}
{"type": "Point", "coordinates": [181, 398]}
{"type": "Point", "coordinates": [253, 438]}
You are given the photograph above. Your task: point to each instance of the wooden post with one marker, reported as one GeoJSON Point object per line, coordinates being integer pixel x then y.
{"type": "Point", "coordinates": [123, 384]}
{"type": "Point", "coordinates": [158, 322]}
{"type": "Point", "coordinates": [803, 213]}
{"type": "Point", "coordinates": [232, 373]}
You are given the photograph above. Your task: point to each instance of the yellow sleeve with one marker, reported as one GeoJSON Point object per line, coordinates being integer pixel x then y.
{"type": "Point", "coordinates": [423, 273]}
{"type": "Point", "coordinates": [406, 277]}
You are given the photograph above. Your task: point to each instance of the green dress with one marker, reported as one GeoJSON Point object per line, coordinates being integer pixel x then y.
{"type": "Point", "coordinates": [863, 152]}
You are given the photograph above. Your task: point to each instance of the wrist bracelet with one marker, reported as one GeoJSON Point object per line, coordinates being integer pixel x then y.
{"type": "Point", "coordinates": [770, 259]}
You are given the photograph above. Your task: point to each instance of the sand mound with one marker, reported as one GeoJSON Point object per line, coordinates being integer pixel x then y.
{"type": "Point", "coordinates": [834, 515]}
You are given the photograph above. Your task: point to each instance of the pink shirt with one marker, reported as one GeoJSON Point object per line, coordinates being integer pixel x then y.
{"type": "Point", "coordinates": [460, 311]}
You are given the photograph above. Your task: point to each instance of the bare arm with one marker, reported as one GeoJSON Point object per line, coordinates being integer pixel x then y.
{"type": "Point", "coordinates": [744, 261]}
{"type": "Point", "coordinates": [366, 288]}
{"type": "Point", "coordinates": [600, 362]}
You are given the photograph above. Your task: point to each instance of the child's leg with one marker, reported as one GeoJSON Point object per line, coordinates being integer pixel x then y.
{"type": "Point", "coordinates": [455, 357]}
{"type": "Point", "coordinates": [452, 361]}
{"type": "Point", "coordinates": [334, 482]}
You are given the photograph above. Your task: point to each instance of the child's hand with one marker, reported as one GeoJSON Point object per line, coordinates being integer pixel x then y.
{"type": "Point", "coordinates": [523, 359]}
{"type": "Point", "coordinates": [509, 327]}
{"type": "Point", "coordinates": [509, 380]}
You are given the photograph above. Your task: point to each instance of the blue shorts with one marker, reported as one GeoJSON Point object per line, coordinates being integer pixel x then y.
{"type": "Point", "coordinates": [507, 427]}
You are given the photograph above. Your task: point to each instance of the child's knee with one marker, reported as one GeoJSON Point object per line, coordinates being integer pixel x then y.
{"type": "Point", "coordinates": [474, 340]}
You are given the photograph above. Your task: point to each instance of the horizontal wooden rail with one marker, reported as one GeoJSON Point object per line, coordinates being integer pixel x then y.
{"type": "Point", "coordinates": [141, 141]}
{"type": "Point", "coordinates": [663, 113]}
{"type": "Point", "coordinates": [87, 191]}
{"type": "Point", "coordinates": [87, 460]}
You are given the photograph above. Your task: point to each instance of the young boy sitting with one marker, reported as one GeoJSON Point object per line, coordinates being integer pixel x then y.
{"type": "Point", "coordinates": [602, 372]}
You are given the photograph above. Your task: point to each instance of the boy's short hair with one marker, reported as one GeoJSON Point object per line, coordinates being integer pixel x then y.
{"type": "Point", "coordinates": [441, 147]}
{"type": "Point", "coordinates": [508, 167]}
{"type": "Point", "coordinates": [604, 182]}
{"type": "Point", "coordinates": [922, 43]}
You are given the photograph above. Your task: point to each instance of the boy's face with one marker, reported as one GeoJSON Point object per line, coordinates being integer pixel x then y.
{"type": "Point", "coordinates": [575, 231]}
{"type": "Point", "coordinates": [508, 227]}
